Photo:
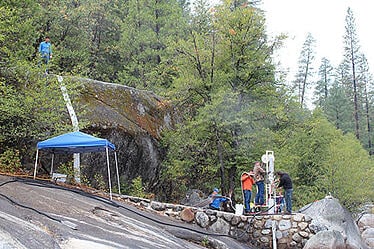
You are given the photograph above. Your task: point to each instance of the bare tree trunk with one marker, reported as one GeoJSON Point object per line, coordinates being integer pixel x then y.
{"type": "Point", "coordinates": [355, 97]}
{"type": "Point", "coordinates": [368, 125]}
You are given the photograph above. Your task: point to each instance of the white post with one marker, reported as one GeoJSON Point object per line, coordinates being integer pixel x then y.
{"type": "Point", "coordinates": [268, 186]}
{"type": "Point", "coordinates": [110, 183]}
{"type": "Point", "coordinates": [74, 121]}
{"type": "Point", "coordinates": [274, 229]}
{"type": "Point", "coordinates": [119, 186]}
{"type": "Point", "coordinates": [272, 202]}
{"type": "Point", "coordinates": [36, 162]}
{"type": "Point", "coordinates": [53, 157]}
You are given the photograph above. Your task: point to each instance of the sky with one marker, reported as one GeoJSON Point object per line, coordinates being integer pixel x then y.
{"type": "Point", "coordinates": [325, 20]}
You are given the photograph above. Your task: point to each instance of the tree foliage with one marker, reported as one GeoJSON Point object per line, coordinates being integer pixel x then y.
{"type": "Point", "coordinates": [215, 65]}
{"type": "Point", "coordinates": [303, 76]}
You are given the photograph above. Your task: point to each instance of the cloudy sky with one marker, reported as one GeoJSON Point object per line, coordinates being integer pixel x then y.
{"type": "Point", "coordinates": [325, 20]}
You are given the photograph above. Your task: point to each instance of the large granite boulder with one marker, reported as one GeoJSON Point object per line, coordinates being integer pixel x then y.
{"type": "Point", "coordinates": [366, 226]}
{"type": "Point", "coordinates": [326, 240]}
{"type": "Point", "coordinates": [330, 219]}
{"type": "Point", "coordinates": [131, 119]}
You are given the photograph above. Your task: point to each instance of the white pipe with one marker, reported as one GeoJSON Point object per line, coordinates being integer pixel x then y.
{"type": "Point", "coordinates": [273, 228]}
{"type": "Point", "coordinates": [69, 106]}
{"type": "Point", "coordinates": [74, 121]}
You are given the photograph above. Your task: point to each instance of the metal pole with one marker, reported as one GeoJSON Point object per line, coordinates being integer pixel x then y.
{"type": "Point", "coordinates": [53, 157]}
{"type": "Point", "coordinates": [36, 162]}
{"type": "Point", "coordinates": [119, 186]}
{"type": "Point", "coordinates": [272, 193]}
{"type": "Point", "coordinates": [107, 161]}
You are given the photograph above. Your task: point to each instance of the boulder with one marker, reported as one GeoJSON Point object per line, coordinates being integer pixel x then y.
{"type": "Point", "coordinates": [187, 215]}
{"type": "Point", "coordinates": [130, 118]}
{"type": "Point", "coordinates": [220, 226]}
{"type": "Point", "coordinates": [370, 242]}
{"type": "Point", "coordinates": [329, 216]}
{"type": "Point", "coordinates": [368, 236]}
{"type": "Point", "coordinates": [326, 240]}
{"type": "Point", "coordinates": [366, 220]}
{"type": "Point", "coordinates": [193, 197]}
{"type": "Point", "coordinates": [202, 219]}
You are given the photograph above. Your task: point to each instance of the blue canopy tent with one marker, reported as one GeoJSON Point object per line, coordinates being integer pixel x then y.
{"type": "Point", "coordinates": [78, 142]}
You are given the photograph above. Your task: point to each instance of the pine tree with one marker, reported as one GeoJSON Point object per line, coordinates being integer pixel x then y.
{"type": "Point", "coordinates": [305, 69]}
{"type": "Point", "coordinates": [351, 58]}
{"type": "Point", "coordinates": [226, 80]}
{"type": "Point", "coordinates": [339, 106]}
{"type": "Point", "coordinates": [324, 82]}
{"type": "Point", "coordinates": [146, 32]}
{"type": "Point", "coordinates": [366, 95]}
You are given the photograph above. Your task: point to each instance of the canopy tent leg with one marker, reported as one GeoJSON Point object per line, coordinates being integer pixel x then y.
{"type": "Point", "coordinates": [119, 186]}
{"type": "Point", "coordinates": [53, 157]}
{"type": "Point", "coordinates": [36, 162]}
{"type": "Point", "coordinates": [110, 183]}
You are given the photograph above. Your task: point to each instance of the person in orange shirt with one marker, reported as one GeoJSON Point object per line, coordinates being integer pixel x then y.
{"type": "Point", "coordinates": [247, 184]}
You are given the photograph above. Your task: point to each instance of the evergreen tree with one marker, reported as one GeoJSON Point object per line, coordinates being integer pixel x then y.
{"type": "Point", "coordinates": [225, 84]}
{"type": "Point", "coordinates": [366, 94]}
{"type": "Point", "coordinates": [351, 58]}
{"type": "Point", "coordinates": [323, 85]}
{"type": "Point", "coordinates": [305, 69]}
{"type": "Point", "coordinates": [145, 34]}
{"type": "Point", "coordinates": [339, 106]}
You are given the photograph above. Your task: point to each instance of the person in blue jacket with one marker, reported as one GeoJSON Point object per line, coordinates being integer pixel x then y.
{"type": "Point", "coordinates": [45, 50]}
{"type": "Point", "coordinates": [217, 199]}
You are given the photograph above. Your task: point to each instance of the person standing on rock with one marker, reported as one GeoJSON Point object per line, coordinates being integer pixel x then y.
{"type": "Point", "coordinates": [259, 179]}
{"type": "Point", "coordinates": [247, 184]}
{"type": "Point", "coordinates": [45, 50]}
{"type": "Point", "coordinates": [286, 182]}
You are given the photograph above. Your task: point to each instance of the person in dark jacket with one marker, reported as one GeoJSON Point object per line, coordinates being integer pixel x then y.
{"type": "Point", "coordinates": [286, 182]}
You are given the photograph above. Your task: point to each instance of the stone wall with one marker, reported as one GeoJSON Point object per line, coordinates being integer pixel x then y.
{"type": "Point", "coordinates": [289, 231]}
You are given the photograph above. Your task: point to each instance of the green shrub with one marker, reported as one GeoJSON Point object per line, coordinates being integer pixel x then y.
{"type": "Point", "coordinates": [137, 188]}
{"type": "Point", "coordinates": [10, 161]}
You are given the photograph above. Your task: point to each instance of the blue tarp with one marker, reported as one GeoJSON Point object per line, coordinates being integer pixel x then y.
{"type": "Point", "coordinates": [75, 142]}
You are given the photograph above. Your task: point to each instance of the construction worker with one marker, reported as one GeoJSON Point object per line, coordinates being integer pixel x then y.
{"type": "Point", "coordinates": [217, 199]}
{"type": "Point", "coordinates": [247, 180]}
{"type": "Point", "coordinates": [259, 179]}
{"type": "Point", "coordinates": [286, 182]}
